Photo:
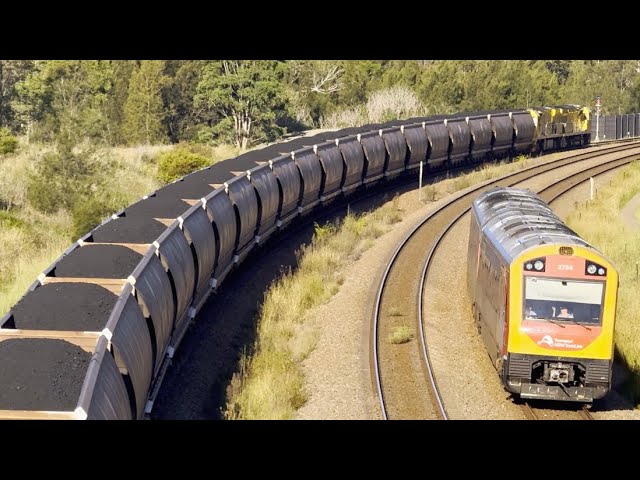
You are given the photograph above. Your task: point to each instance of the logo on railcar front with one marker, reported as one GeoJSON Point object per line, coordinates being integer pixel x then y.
{"type": "Point", "coordinates": [566, 343]}
{"type": "Point", "coordinates": [546, 339]}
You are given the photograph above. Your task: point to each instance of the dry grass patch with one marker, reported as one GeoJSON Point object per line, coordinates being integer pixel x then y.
{"type": "Point", "coordinates": [29, 242]}
{"type": "Point", "coordinates": [435, 191]}
{"type": "Point", "coordinates": [400, 334]}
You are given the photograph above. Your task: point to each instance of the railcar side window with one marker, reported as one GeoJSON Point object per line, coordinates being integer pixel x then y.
{"type": "Point", "coordinates": [547, 298]}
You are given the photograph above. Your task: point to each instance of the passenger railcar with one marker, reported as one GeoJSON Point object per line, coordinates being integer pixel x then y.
{"type": "Point", "coordinates": [543, 299]}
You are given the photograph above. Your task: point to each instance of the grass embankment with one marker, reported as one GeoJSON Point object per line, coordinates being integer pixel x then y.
{"type": "Point", "coordinates": [270, 381]}
{"type": "Point", "coordinates": [600, 223]}
{"type": "Point", "coordinates": [270, 384]}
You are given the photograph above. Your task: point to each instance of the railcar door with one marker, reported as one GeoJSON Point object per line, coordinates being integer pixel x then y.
{"type": "Point", "coordinates": [502, 327]}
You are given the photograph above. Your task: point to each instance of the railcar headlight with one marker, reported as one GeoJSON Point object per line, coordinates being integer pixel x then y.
{"type": "Point", "coordinates": [538, 265]}
{"type": "Point", "coordinates": [601, 271]}
{"type": "Point", "coordinates": [529, 266]}
{"type": "Point", "coordinates": [591, 269]}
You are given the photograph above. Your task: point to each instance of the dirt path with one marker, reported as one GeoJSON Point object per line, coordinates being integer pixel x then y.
{"type": "Point", "coordinates": [337, 372]}
{"type": "Point", "coordinates": [628, 213]}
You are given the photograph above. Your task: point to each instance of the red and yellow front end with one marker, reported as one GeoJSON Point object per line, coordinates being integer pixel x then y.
{"type": "Point", "coordinates": [559, 342]}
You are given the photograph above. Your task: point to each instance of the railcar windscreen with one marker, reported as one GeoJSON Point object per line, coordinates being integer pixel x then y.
{"type": "Point", "coordinates": [563, 300]}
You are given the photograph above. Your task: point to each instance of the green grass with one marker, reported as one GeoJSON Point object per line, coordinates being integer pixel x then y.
{"type": "Point", "coordinates": [600, 223]}
{"type": "Point", "coordinates": [400, 334]}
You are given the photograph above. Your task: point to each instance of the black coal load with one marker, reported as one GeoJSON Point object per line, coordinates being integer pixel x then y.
{"type": "Point", "coordinates": [99, 261]}
{"type": "Point", "coordinates": [41, 374]}
{"type": "Point", "coordinates": [77, 307]}
{"type": "Point", "coordinates": [163, 205]}
{"type": "Point", "coordinates": [129, 230]}
{"type": "Point", "coordinates": [193, 187]}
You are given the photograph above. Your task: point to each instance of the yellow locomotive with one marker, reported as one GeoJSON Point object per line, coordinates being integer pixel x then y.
{"type": "Point", "coordinates": [560, 127]}
{"type": "Point", "coordinates": [543, 299]}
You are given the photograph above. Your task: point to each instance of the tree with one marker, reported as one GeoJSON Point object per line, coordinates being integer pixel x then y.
{"type": "Point", "coordinates": [144, 112]}
{"type": "Point", "coordinates": [360, 77]}
{"type": "Point", "coordinates": [32, 98]}
{"type": "Point", "coordinates": [11, 72]}
{"type": "Point", "coordinates": [65, 97]}
{"type": "Point", "coordinates": [64, 177]}
{"type": "Point", "coordinates": [561, 68]}
{"type": "Point", "coordinates": [312, 87]}
{"type": "Point", "coordinates": [634, 95]}
{"type": "Point", "coordinates": [122, 70]}
{"type": "Point", "coordinates": [319, 76]}
{"type": "Point", "coordinates": [246, 96]}
{"type": "Point", "coordinates": [183, 120]}
{"type": "Point", "coordinates": [405, 72]}
{"type": "Point", "coordinates": [612, 80]}
{"type": "Point", "coordinates": [442, 87]}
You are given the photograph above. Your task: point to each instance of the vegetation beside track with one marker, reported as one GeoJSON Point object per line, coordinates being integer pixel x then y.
{"type": "Point", "coordinates": [599, 222]}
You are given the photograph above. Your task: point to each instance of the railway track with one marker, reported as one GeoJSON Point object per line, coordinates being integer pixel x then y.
{"type": "Point", "coordinates": [535, 413]}
{"type": "Point", "coordinates": [401, 372]}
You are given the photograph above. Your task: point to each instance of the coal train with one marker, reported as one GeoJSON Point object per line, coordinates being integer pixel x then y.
{"type": "Point", "coordinates": [92, 337]}
{"type": "Point", "coordinates": [543, 299]}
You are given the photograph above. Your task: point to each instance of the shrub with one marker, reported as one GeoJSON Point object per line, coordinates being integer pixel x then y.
{"type": "Point", "coordinates": [178, 163]}
{"type": "Point", "coordinates": [10, 220]}
{"type": "Point", "coordinates": [8, 143]}
{"type": "Point", "coordinates": [60, 178]}
{"type": "Point", "coordinates": [87, 214]}
{"type": "Point", "coordinates": [392, 103]}
{"type": "Point", "coordinates": [349, 117]}
{"type": "Point", "coordinates": [202, 149]}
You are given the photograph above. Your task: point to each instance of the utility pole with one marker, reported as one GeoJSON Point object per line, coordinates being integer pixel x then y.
{"type": "Point", "coordinates": [598, 105]}
{"type": "Point", "coordinates": [420, 184]}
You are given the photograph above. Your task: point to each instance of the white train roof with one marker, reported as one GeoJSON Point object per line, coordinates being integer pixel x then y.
{"type": "Point", "coordinates": [515, 219]}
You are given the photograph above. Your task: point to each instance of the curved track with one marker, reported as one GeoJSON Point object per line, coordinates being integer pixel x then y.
{"type": "Point", "coordinates": [401, 371]}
